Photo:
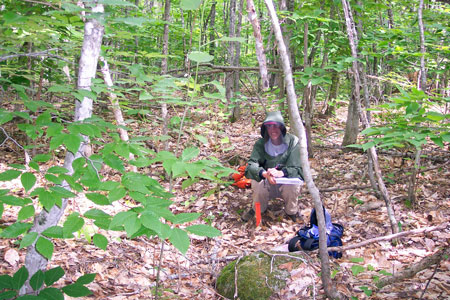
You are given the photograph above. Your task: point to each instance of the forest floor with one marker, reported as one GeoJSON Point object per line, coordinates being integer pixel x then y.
{"type": "Point", "coordinates": [128, 268]}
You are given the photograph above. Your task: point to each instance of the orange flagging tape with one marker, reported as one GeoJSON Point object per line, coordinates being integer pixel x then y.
{"type": "Point", "coordinates": [258, 213]}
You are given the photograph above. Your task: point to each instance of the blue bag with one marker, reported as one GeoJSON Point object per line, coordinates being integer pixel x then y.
{"type": "Point", "coordinates": [308, 237]}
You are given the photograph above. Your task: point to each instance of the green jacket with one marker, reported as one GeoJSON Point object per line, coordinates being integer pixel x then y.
{"type": "Point", "coordinates": [288, 162]}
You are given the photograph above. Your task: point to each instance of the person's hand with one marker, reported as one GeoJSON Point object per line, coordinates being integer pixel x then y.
{"type": "Point", "coordinates": [275, 173]}
{"type": "Point", "coordinates": [269, 177]}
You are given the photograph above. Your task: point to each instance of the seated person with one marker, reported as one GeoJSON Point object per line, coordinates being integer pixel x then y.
{"type": "Point", "coordinates": [276, 154]}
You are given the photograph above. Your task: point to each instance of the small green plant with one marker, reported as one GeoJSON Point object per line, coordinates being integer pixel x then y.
{"type": "Point", "coordinates": [356, 200]}
{"type": "Point", "coordinates": [41, 282]}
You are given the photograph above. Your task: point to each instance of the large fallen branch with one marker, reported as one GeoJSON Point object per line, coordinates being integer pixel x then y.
{"type": "Point", "coordinates": [391, 237]}
{"type": "Point", "coordinates": [409, 272]}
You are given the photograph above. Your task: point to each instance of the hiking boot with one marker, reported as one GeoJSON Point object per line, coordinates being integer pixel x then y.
{"type": "Point", "coordinates": [293, 218]}
{"type": "Point", "coordinates": [248, 215]}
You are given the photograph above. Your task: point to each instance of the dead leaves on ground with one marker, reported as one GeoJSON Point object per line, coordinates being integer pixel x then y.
{"type": "Point", "coordinates": [128, 268]}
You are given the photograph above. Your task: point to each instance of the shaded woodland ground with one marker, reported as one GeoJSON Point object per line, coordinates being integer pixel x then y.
{"type": "Point", "coordinates": [127, 270]}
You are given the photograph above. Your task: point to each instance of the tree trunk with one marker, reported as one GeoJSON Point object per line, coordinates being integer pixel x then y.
{"type": "Point", "coordinates": [164, 68]}
{"type": "Point", "coordinates": [299, 130]}
{"type": "Point", "coordinates": [330, 105]}
{"type": "Point", "coordinates": [229, 77]}
{"type": "Point", "coordinates": [423, 86]}
{"type": "Point", "coordinates": [351, 32]}
{"type": "Point", "coordinates": [93, 34]}
{"type": "Point", "coordinates": [212, 23]}
{"type": "Point", "coordinates": [259, 46]}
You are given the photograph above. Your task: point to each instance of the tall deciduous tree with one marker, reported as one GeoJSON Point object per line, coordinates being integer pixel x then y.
{"type": "Point", "coordinates": [352, 37]}
{"type": "Point", "coordinates": [164, 68]}
{"type": "Point", "coordinates": [93, 34]}
{"type": "Point", "coordinates": [259, 46]}
{"type": "Point", "coordinates": [299, 131]}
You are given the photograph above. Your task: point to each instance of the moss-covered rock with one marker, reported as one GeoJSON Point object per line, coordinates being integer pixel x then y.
{"type": "Point", "coordinates": [258, 276]}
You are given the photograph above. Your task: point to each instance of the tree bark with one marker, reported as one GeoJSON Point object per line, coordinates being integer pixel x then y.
{"type": "Point", "coordinates": [164, 68]}
{"type": "Point", "coordinates": [299, 131]}
{"type": "Point", "coordinates": [212, 23]}
{"type": "Point", "coordinates": [93, 34]}
{"type": "Point", "coordinates": [423, 71]}
{"type": "Point", "coordinates": [259, 46]}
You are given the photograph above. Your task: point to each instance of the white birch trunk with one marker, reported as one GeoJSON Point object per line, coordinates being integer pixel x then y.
{"type": "Point", "coordinates": [259, 46]}
{"type": "Point", "coordinates": [299, 131]}
{"type": "Point", "coordinates": [93, 34]}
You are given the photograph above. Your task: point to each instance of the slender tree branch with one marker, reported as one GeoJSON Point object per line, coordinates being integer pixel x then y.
{"type": "Point", "coordinates": [390, 237]}
{"type": "Point", "coordinates": [35, 54]}
{"type": "Point", "coordinates": [7, 137]}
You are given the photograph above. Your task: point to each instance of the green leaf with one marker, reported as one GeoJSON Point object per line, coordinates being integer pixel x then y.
{"type": "Point", "coordinates": [114, 162]}
{"type": "Point", "coordinates": [185, 217]}
{"type": "Point", "coordinates": [41, 158]}
{"type": "Point", "coordinates": [96, 214]}
{"type": "Point", "coordinates": [8, 295]}
{"type": "Point", "coordinates": [86, 278]}
{"type": "Point", "coordinates": [73, 223]}
{"type": "Point", "coordinates": [152, 222]}
{"type": "Point", "coordinates": [356, 269]}
{"type": "Point", "coordinates": [100, 241]}
{"type": "Point", "coordinates": [119, 218]}
{"type": "Point", "coordinates": [51, 293]}
{"type": "Point", "coordinates": [20, 277]}
{"type": "Point", "coordinates": [25, 213]}
{"type": "Point", "coordinates": [132, 224]}
{"type": "Point", "coordinates": [435, 116]}
{"type": "Point", "coordinates": [5, 116]}
{"type": "Point", "coordinates": [53, 275]}
{"type": "Point", "coordinates": [190, 4]}
{"type": "Point", "coordinates": [44, 247]}
{"type": "Point", "coordinates": [54, 129]}
{"type": "Point", "coordinates": [202, 139]}
{"type": "Point", "coordinates": [98, 198]}
{"type": "Point", "coordinates": [28, 239]}
{"type": "Point", "coordinates": [72, 142]}
{"type": "Point", "coordinates": [194, 169]}
{"type": "Point", "coordinates": [37, 280]}
{"type": "Point", "coordinates": [9, 175]}
{"type": "Point", "coordinates": [115, 3]}
{"type": "Point", "coordinates": [6, 282]}
{"type": "Point", "coordinates": [62, 192]}
{"type": "Point", "coordinates": [204, 230]}
{"type": "Point", "coordinates": [54, 232]}
{"type": "Point", "coordinates": [47, 199]}
{"type": "Point", "coordinates": [57, 170]}
{"type": "Point", "coordinates": [132, 21]}
{"type": "Point", "coordinates": [123, 150]}
{"type": "Point", "coordinates": [357, 259]}
{"type": "Point", "coordinates": [366, 290]}
{"type": "Point", "coordinates": [190, 153]}
{"type": "Point", "coordinates": [11, 200]}
{"type": "Point", "coordinates": [57, 141]}
{"type": "Point", "coordinates": [180, 240]}
{"type": "Point", "coordinates": [117, 194]}
{"type": "Point", "coordinates": [28, 180]}
{"type": "Point", "coordinates": [15, 230]}
{"type": "Point", "coordinates": [200, 57]}
{"type": "Point", "coordinates": [232, 39]}
{"type": "Point", "coordinates": [385, 273]}
{"type": "Point", "coordinates": [76, 289]}
{"type": "Point", "coordinates": [368, 145]}
{"type": "Point", "coordinates": [178, 168]}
